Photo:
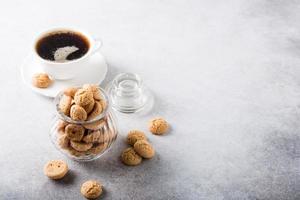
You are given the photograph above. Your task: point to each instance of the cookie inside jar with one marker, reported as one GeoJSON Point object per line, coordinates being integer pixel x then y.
{"type": "Point", "coordinates": [85, 127]}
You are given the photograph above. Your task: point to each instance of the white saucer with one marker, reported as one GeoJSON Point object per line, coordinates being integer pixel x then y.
{"type": "Point", "coordinates": [95, 73]}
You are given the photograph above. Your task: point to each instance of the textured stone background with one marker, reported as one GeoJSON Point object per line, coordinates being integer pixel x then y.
{"type": "Point", "coordinates": [226, 75]}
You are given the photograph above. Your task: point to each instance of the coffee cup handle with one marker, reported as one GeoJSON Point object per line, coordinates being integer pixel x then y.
{"type": "Point", "coordinates": [98, 44]}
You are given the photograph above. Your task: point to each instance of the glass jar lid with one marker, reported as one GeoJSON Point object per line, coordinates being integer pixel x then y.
{"type": "Point", "coordinates": [128, 94]}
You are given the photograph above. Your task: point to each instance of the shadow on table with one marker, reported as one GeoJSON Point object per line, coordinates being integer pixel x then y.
{"type": "Point", "coordinates": [110, 167]}
{"type": "Point", "coordinates": [155, 105]}
{"type": "Point", "coordinates": [69, 179]}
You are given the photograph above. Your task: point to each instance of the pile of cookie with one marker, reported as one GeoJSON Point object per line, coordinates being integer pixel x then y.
{"type": "Point", "coordinates": [140, 146]}
{"type": "Point", "coordinates": [83, 138]}
{"type": "Point", "coordinates": [82, 104]}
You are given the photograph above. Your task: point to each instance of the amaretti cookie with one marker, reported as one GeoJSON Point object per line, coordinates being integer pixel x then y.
{"type": "Point", "coordinates": [96, 137]}
{"type": "Point", "coordinates": [97, 110]}
{"type": "Point", "coordinates": [91, 189]}
{"type": "Point", "coordinates": [158, 126]}
{"type": "Point", "coordinates": [95, 125]}
{"type": "Point", "coordinates": [94, 89]}
{"type": "Point", "coordinates": [144, 149]}
{"type": "Point", "coordinates": [74, 132]}
{"type": "Point", "coordinates": [65, 104]}
{"type": "Point", "coordinates": [83, 97]}
{"type": "Point", "coordinates": [89, 107]}
{"type": "Point", "coordinates": [56, 169]}
{"type": "Point", "coordinates": [130, 157]}
{"type": "Point", "coordinates": [75, 153]}
{"type": "Point", "coordinates": [78, 113]}
{"type": "Point", "coordinates": [64, 141]}
{"type": "Point", "coordinates": [61, 127]}
{"type": "Point", "coordinates": [98, 148]}
{"type": "Point", "coordinates": [81, 146]}
{"type": "Point", "coordinates": [135, 135]}
{"type": "Point", "coordinates": [41, 80]}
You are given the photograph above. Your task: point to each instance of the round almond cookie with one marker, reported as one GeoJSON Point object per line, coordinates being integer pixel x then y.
{"type": "Point", "coordinates": [103, 103]}
{"type": "Point", "coordinates": [65, 104]}
{"type": "Point", "coordinates": [95, 125]}
{"type": "Point", "coordinates": [41, 80]}
{"type": "Point", "coordinates": [74, 132]}
{"type": "Point", "coordinates": [61, 126]}
{"type": "Point", "coordinates": [97, 110]}
{"type": "Point", "coordinates": [144, 149]}
{"type": "Point", "coordinates": [56, 169]}
{"type": "Point", "coordinates": [75, 153]}
{"type": "Point", "coordinates": [89, 107]}
{"type": "Point", "coordinates": [70, 91]}
{"type": "Point", "coordinates": [91, 189]}
{"type": "Point", "coordinates": [78, 113]}
{"type": "Point", "coordinates": [130, 157]}
{"type": "Point", "coordinates": [83, 97]}
{"type": "Point", "coordinates": [96, 136]}
{"type": "Point", "coordinates": [64, 141]}
{"type": "Point", "coordinates": [94, 89]}
{"type": "Point", "coordinates": [135, 135]}
{"type": "Point", "coordinates": [81, 146]}
{"type": "Point", "coordinates": [98, 148]}
{"type": "Point", "coordinates": [158, 126]}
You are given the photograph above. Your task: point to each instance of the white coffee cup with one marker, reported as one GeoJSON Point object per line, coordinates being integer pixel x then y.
{"type": "Point", "coordinates": [68, 69]}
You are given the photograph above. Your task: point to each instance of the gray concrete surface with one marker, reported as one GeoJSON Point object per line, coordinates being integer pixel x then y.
{"type": "Point", "coordinates": [226, 75]}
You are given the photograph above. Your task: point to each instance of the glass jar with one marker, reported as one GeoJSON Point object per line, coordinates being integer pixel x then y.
{"type": "Point", "coordinates": [99, 133]}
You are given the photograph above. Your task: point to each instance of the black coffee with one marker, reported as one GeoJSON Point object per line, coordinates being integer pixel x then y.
{"type": "Point", "coordinates": [49, 46]}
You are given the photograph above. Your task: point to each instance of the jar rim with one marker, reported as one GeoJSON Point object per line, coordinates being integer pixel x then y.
{"type": "Point", "coordinates": [68, 119]}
